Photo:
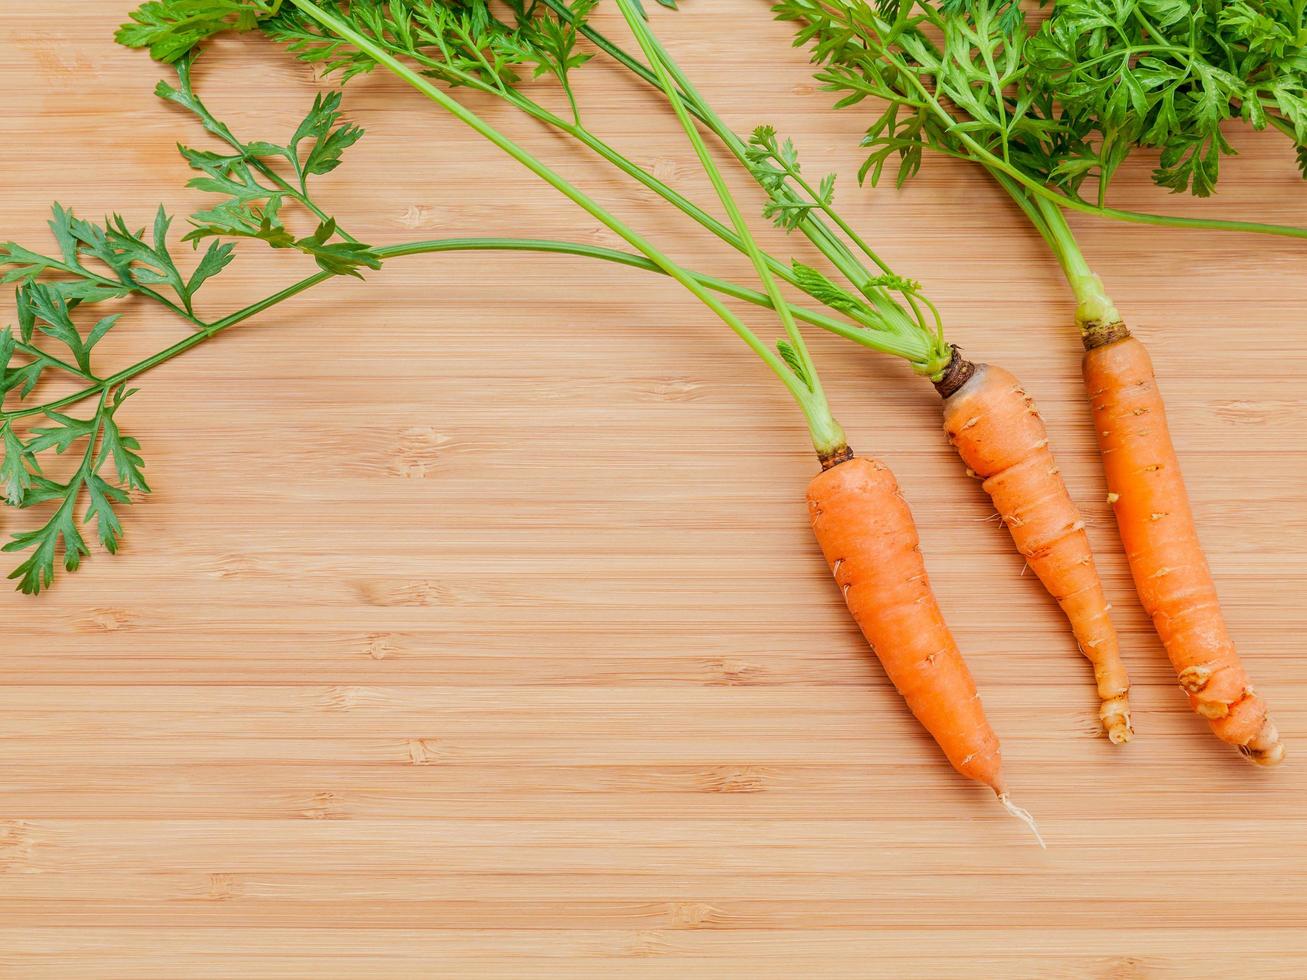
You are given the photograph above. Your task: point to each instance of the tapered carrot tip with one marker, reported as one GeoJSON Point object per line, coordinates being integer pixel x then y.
{"type": "Point", "coordinates": [1265, 749]}
{"type": "Point", "coordinates": [1115, 716]}
{"type": "Point", "coordinates": [1244, 723]}
{"type": "Point", "coordinates": [1024, 816]}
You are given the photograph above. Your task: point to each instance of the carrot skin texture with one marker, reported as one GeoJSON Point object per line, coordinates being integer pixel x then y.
{"type": "Point", "coordinates": [1161, 543]}
{"type": "Point", "coordinates": [997, 431]}
{"type": "Point", "coordinates": [870, 542]}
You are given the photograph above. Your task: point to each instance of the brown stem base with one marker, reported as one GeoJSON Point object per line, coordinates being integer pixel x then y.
{"type": "Point", "coordinates": [1095, 335]}
{"type": "Point", "coordinates": [958, 373]}
{"type": "Point", "coordinates": [833, 458]}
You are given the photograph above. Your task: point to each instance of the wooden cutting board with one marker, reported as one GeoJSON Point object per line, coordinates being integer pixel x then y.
{"type": "Point", "coordinates": [475, 629]}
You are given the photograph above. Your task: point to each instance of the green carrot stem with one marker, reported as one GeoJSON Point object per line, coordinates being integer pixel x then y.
{"type": "Point", "coordinates": [662, 189]}
{"type": "Point", "coordinates": [210, 330]}
{"type": "Point", "coordinates": [460, 112]}
{"type": "Point", "coordinates": [826, 432]}
{"type": "Point", "coordinates": [887, 316]}
{"type": "Point", "coordinates": [815, 230]}
{"type": "Point", "coordinates": [1093, 305]}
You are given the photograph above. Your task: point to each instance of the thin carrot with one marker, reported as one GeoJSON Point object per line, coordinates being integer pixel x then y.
{"type": "Point", "coordinates": [1175, 587]}
{"type": "Point", "coordinates": [869, 539]}
{"type": "Point", "coordinates": [998, 432]}
{"type": "Point", "coordinates": [867, 534]}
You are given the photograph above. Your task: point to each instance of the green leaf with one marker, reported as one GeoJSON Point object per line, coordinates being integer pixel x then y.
{"type": "Point", "coordinates": [242, 220]}
{"type": "Point", "coordinates": [17, 466]}
{"type": "Point", "coordinates": [41, 306]}
{"type": "Point", "coordinates": [43, 491]}
{"type": "Point", "coordinates": [826, 190]}
{"type": "Point", "coordinates": [83, 292]}
{"type": "Point", "coordinates": [1168, 74]}
{"type": "Point", "coordinates": [102, 497]}
{"type": "Point", "coordinates": [304, 39]}
{"type": "Point", "coordinates": [1166, 13]}
{"type": "Point", "coordinates": [226, 174]}
{"type": "Point", "coordinates": [549, 41]}
{"type": "Point", "coordinates": [25, 310]}
{"type": "Point", "coordinates": [61, 223]}
{"type": "Point", "coordinates": [171, 28]}
{"type": "Point", "coordinates": [824, 291]}
{"type": "Point", "coordinates": [25, 377]}
{"type": "Point", "coordinates": [63, 435]}
{"type": "Point", "coordinates": [338, 258]}
{"type": "Point", "coordinates": [38, 571]}
{"type": "Point", "coordinates": [900, 284]}
{"type": "Point", "coordinates": [95, 336]}
{"type": "Point", "coordinates": [252, 206]}
{"type": "Point", "coordinates": [328, 141]}
{"type": "Point", "coordinates": [123, 451]}
{"type": "Point", "coordinates": [143, 263]}
{"type": "Point", "coordinates": [216, 258]}
{"type": "Point", "coordinates": [792, 360]}
{"type": "Point", "coordinates": [24, 264]}
{"type": "Point", "coordinates": [102, 445]}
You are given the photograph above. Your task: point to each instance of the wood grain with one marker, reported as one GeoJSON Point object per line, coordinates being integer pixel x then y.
{"type": "Point", "coordinates": [475, 628]}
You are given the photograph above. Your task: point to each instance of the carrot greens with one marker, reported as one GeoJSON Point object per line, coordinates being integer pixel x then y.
{"type": "Point", "coordinates": [959, 78]}
{"type": "Point", "coordinates": [1169, 76]}
{"type": "Point", "coordinates": [99, 263]}
{"type": "Point", "coordinates": [465, 45]}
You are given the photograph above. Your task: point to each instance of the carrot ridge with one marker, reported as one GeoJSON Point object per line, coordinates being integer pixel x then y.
{"type": "Point", "coordinates": [1160, 537]}
{"type": "Point", "coordinates": [998, 432]}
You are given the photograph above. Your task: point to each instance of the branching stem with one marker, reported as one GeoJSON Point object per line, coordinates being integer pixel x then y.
{"type": "Point", "coordinates": [208, 331]}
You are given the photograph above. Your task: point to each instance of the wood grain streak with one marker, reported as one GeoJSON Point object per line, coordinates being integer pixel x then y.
{"type": "Point", "coordinates": [475, 629]}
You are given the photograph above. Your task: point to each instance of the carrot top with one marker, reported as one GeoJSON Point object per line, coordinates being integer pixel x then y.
{"type": "Point", "coordinates": [94, 264]}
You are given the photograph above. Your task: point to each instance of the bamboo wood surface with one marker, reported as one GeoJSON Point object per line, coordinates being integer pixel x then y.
{"type": "Point", "coordinates": [475, 628]}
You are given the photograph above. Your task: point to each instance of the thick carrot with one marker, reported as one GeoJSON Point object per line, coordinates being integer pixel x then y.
{"type": "Point", "coordinates": [867, 534]}
{"type": "Point", "coordinates": [997, 431]}
{"type": "Point", "coordinates": [1157, 528]}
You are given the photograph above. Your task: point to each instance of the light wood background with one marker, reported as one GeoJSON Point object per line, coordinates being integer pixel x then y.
{"type": "Point", "coordinates": [475, 629]}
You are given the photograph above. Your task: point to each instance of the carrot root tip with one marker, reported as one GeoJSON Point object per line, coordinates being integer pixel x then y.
{"type": "Point", "coordinates": [1265, 749]}
{"type": "Point", "coordinates": [1024, 816]}
{"type": "Point", "coordinates": [1115, 716]}
{"type": "Point", "coordinates": [1264, 757]}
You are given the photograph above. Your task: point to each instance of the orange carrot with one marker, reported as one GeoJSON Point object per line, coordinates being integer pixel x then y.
{"type": "Point", "coordinates": [1157, 528]}
{"type": "Point", "coordinates": [867, 534]}
{"type": "Point", "coordinates": [997, 431]}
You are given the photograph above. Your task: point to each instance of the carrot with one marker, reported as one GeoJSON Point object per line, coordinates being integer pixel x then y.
{"type": "Point", "coordinates": [1175, 587]}
{"type": "Point", "coordinates": [998, 432]}
{"type": "Point", "coordinates": [870, 541]}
